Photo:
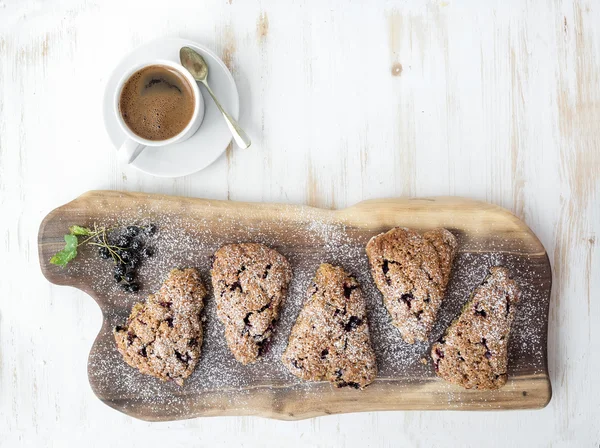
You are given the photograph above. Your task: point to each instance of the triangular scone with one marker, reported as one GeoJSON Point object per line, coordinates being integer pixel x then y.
{"type": "Point", "coordinates": [473, 352]}
{"type": "Point", "coordinates": [412, 270]}
{"type": "Point", "coordinates": [250, 283]}
{"type": "Point", "coordinates": [330, 339]}
{"type": "Point", "coordinates": [163, 336]}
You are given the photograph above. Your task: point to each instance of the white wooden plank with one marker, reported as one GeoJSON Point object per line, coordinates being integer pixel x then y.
{"type": "Point", "coordinates": [498, 101]}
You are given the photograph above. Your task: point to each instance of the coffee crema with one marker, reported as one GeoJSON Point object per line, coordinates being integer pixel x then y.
{"type": "Point", "coordinates": [157, 102]}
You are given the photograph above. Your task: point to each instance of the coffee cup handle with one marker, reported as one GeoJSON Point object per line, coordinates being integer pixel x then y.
{"type": "Point", "coordinates": [129, 150]}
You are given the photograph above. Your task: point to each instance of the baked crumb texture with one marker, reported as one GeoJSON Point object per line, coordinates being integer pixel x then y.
{"type": "Point", "coordinates": [250, 283]}
{"type": "Point", "coordinates": [412, 271]}
{"type": "Point", "coordinates": [163, 336]}
{"type": "Point", "coordinates": [330, 339]}
{"type": "Point", "coordinates": [473, 353]}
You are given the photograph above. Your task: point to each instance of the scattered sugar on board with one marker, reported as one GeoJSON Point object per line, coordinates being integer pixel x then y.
{"type": "Point", "coordinates": [190, 241]}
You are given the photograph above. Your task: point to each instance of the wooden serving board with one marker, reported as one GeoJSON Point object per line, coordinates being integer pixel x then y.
{"type": "Point", "coordinates": [190, 230]}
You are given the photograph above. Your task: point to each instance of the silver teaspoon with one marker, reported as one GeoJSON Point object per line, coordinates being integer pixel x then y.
{"type": "Point", "coordinates": [196, 65]}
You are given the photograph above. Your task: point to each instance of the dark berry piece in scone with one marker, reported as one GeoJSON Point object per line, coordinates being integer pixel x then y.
{"type": "Point", "coordinates": [163, 336]}
{"type": "Point", "coordinates": [250, 283]}
{"type": "Point", "coordinates": [412, 271]}
{"type": "Point", "coordinates": [473, 353]}
{"type": "Point", "coordinates": [330, 339]}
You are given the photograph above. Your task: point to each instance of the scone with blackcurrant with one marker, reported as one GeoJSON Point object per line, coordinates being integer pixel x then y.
{"type": "Point", "coordinates": [163, 336]}
{"type": "Point", "coordinates": [412, 271]}
{"type": "Point", "coordinates": [330, 340]}
{"type": "Point", "coordinates": [473, 352]}
{"type": "Point", "coordinates": [250, 282]}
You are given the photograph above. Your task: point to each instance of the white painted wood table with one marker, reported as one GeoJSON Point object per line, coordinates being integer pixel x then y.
{"type": "Point", "coordinates": [345, 100]}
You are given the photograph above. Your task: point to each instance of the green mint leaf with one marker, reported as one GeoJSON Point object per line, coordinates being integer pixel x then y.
{"type": "Point", "coordinates": [80, 231]}
{"type": "Point", "coordinates": [61, 258]}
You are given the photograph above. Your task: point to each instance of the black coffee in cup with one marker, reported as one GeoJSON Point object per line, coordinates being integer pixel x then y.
{"type": "Point", "coordinates": [157, 102]}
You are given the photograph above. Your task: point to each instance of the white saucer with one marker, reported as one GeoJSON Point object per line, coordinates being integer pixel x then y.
{"type": "Point", "coordinates": [213, 137]}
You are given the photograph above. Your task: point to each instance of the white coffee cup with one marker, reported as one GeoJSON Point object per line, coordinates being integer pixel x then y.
{"type": "Point", "coordinates": [134, 144]}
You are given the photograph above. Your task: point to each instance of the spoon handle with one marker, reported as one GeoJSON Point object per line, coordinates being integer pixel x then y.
{"type": "Point", "coordinates": [240, 137]}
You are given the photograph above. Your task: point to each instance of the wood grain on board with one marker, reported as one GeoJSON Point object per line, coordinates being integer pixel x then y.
{"type": "Point", "coordinates": [487, 234]}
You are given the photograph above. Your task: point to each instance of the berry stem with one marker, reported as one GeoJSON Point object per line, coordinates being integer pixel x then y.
{"type": "Point", "coordinates": [94, 235]}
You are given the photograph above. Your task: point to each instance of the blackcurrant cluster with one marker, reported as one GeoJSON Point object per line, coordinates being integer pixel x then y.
{"type": "Point", "coordinates": [128, 249]}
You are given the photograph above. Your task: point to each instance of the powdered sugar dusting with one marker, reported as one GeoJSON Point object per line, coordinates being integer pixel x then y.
{"type": "Point", "coordinates": [307, 240]}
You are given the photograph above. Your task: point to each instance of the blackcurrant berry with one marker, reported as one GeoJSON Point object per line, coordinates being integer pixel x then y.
{"type": "Point", "coordinates": [132, 231]}
{"type": "Point", "coordinates": [148, 252]}
{"type": "Point", "coordinates": [117, 278]}
{"type": "Point", "coordinates": [133, 262]}
{"type": "Point", "coordinates": [136, 245]}
{"type": "Point", "coordinates": [124, 241]}
{"type": "Point", "coordinates": [125, 255]}
{"type": "Point", "coordinates": [129, 277]}
{"type": "Point", "coordinates": [133, 287]}
{"type": "Point", "coordinates": [150, 230]}
{"type": "Point", "coordinates": [119, 270]}
{"type": "Point", "coordinates": [104, 253]}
